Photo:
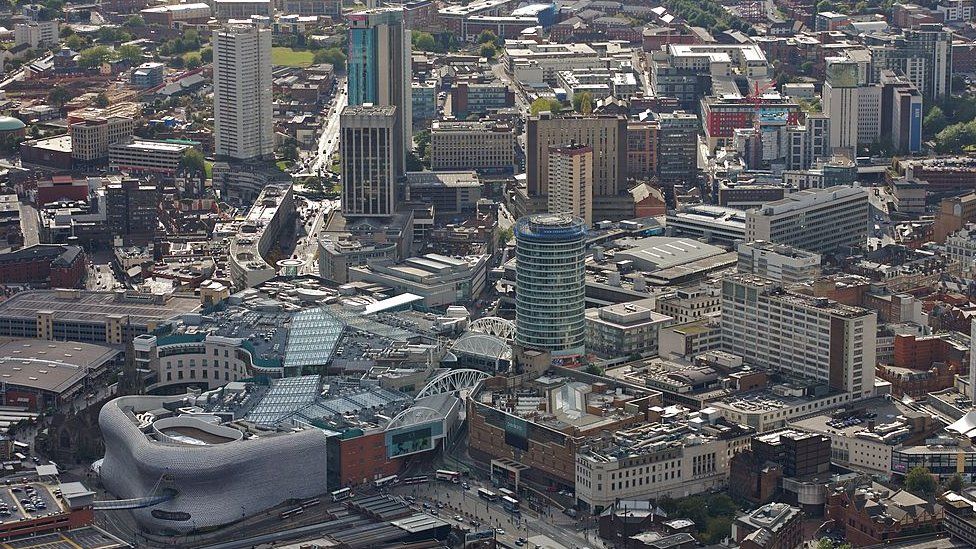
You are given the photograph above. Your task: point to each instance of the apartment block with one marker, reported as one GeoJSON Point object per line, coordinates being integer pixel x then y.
{"type": "Point", "coordinates": [806, 336]}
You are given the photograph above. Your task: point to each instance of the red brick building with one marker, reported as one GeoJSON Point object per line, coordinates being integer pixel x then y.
{"type": "Point", "coordinates": [60, 188]}
{"type": "Point", "coordinates": [52, 265]}
{"type": "Point", "coordinates": [921, 352]}
{"type": "Point", "coordinates": [361, 458]}
{"type": "Point", "coordinates": [873, 514]}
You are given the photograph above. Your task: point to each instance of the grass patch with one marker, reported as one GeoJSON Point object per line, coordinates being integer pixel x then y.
{"type": "Point", "coordinates": [291, 58]}
{"type": "Point", "coordinates": [208, 168]}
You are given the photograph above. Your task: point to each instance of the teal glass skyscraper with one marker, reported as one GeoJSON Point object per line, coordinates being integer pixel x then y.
{"type": "Point", "coordinates": [379, 63]}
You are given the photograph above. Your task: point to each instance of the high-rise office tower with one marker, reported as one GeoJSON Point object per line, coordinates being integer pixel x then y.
{"type": "Point", "coordinates": [571, 181]}
{"type": "Point", "coordinates": [243, 123]}
{"type": "Point", "coordinates": [369, 141]}
{"type": "Point", "coordinates": [901, 112]}
{"type": "Point", "coordinates": [840, 101]}
{"type": "Point", "coordinates": [805, 336]}
{"type": "Point", "coordinates": [379, 63]}
{"type": "Point", "coordinates": [677, 148]}
{"type": "Point", "coordinates": [131, 210]}
{"type": "Point", "coordinates": [550, 284]}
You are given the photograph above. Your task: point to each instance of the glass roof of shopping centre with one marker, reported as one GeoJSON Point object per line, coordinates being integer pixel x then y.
{"type": "Point", "coordinates": [313, 338]}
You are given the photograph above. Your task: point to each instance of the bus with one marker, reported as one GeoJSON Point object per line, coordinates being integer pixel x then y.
{"type": "Point", "coordinates": [510, 504]}
{"type": "Point", "coordinates": [450, 476]}
{"type": "Point", "coordinates": [416, 480]}
{"type": "Point", "coordinates": [484, 493]}
{"type": "Point", "coordinates": [341, 494]}
{"type": "Point", "coordinates": [386, 481]}
{"type": "Point", "coordinates": [291, 513]}
{"type": "Point", "coordinates": [507, 492]}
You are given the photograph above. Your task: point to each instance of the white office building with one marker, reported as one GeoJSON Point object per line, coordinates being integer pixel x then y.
{"type": "Point", "coordinates": [243, 124]}
{"type": "Point", "coordinates": [805, 336]}
{"type": "Point", "coordinates": [816, 220]}
{"type": "Point", "coordinates": [779, 262]}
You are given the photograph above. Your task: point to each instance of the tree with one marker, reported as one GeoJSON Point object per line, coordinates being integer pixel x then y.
{"type": "Point", "coordinates": [206, 55]}
{"type": "Point", "coordinates": [488, 51]}
{"type": "Point", "coordinates": [134, 21]}
{"type": "Point", "coordinates": [129, 52]}
{"type": "Point", "coordinates": [193, 61]}
{"type": "Point", "coordinates": [487, 36]}
{"type": "Point", "coordinates": [935, 121]}
{"type": "Point", "coordinates": [955, 483]}
{"type": "Point", "coordinates": [91, 58]}
{"type": "Point", "coordinates": [101, 100]}
{"type": "Point", "coordinates": [920, 482]}
{"type": "Point", "coordinates": [423, 41]}
{"type": "Point", "coordinates": [289, 149]}
{"type": "Point", "coordinates": [58, 96]}
{"type": "Point", "coordinates": [594, 369]}
{"type": "Point", "coordinates": [543, 104]}
{"type": "Point", "coordinates": [333, 56]}
{"type": "Point", "coordinates": [718, 529]}
{"type": "Point", "coordinates": [76, 42]}
{"type": "Point", "coordinates": [583, 102]}
{"type": "Point", "coordinates": [194, 162]}
{"type": "Point", "coordinates": [825, 543]}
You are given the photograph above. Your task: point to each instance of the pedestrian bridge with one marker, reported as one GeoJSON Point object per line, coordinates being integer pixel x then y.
{"type": "Point", "coordinates": [134, 503]}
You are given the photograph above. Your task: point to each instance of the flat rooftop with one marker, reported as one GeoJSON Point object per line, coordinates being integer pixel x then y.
{"type": "Point", "coordinates": [93, 307]}
{"type": "Point", "coordinates": [49, 365]}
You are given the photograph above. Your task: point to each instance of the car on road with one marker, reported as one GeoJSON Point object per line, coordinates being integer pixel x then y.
{"type": "Point", "coordinates": [500, 531]}
{"type": "Point", "coordinates": [459, 518]}
{"type": "Point", "coordinates": [520, 542]}
{"type": "Point", "coordinates": [475, 523]}
{"type": "Point", "coordinates": [465, 485]}
{"type": "Point", "coordinates": [440, 505]}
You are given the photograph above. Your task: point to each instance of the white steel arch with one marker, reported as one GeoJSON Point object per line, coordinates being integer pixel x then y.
{"type": "Point", "coordinates": [413, 416]}
{"type": "Point", "coordinates": [451, 381]}
{"type": "Point", "coordinates": [496, 326]}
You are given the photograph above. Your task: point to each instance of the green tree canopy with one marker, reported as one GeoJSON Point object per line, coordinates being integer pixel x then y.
{"type": "Point", "coordinates": [76, 42]}
{"type": "Point", "coordinates": [193, 61]}
{"type": "Point", "coordinates": [334, 56]}
{"type": "Point", "coordinates": [58, 96]}
{"type": "Point", "coordinates": [935, 121]}
{"type": "Point", "coordinates": [423, 41]}
{"type": "Point", "coordinates": [955, 483]}
{"type": "Point", "coordinates": [129, 52]}
{"type": "Point", "coordinates": [487, 51]}
{"type": "Point", "coordinates": [101, 100]}
{"type": "Point", "coordinates": [920, 482]}
{"type": "Point", "coordinates": [543, 104]}
{"type": "Point", "coordinates": [583, 102]}
{"type": "Point", "coordinates": [91, 58]}
{"type": "Point", "coordinates": [487, 36]}
{"type": "Point", "coordinates": [134, 21]}
{"type": "Point", "coordinates": [193, 161]}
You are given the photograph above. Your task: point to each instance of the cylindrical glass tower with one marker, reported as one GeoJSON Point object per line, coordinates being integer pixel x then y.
{"type": "Point", "coordinates": [550, 283]}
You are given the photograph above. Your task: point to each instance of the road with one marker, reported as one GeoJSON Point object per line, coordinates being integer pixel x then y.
{"type": "Point", "coordinates": [100, 277]}
{"type": "Point", "coordinates": [307, 246]}
{"type": "Point", "coordinates": [467, 505]}
{"type": "Point", "coordinates": [329, 140]}
{"type": "Point", "coordinates": [29, 224]}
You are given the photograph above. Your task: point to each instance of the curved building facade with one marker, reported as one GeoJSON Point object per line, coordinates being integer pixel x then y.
{"type": "Point", "coordinates": [214, 478]}
{"type": "Point", "coordinates": [550, 284]}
